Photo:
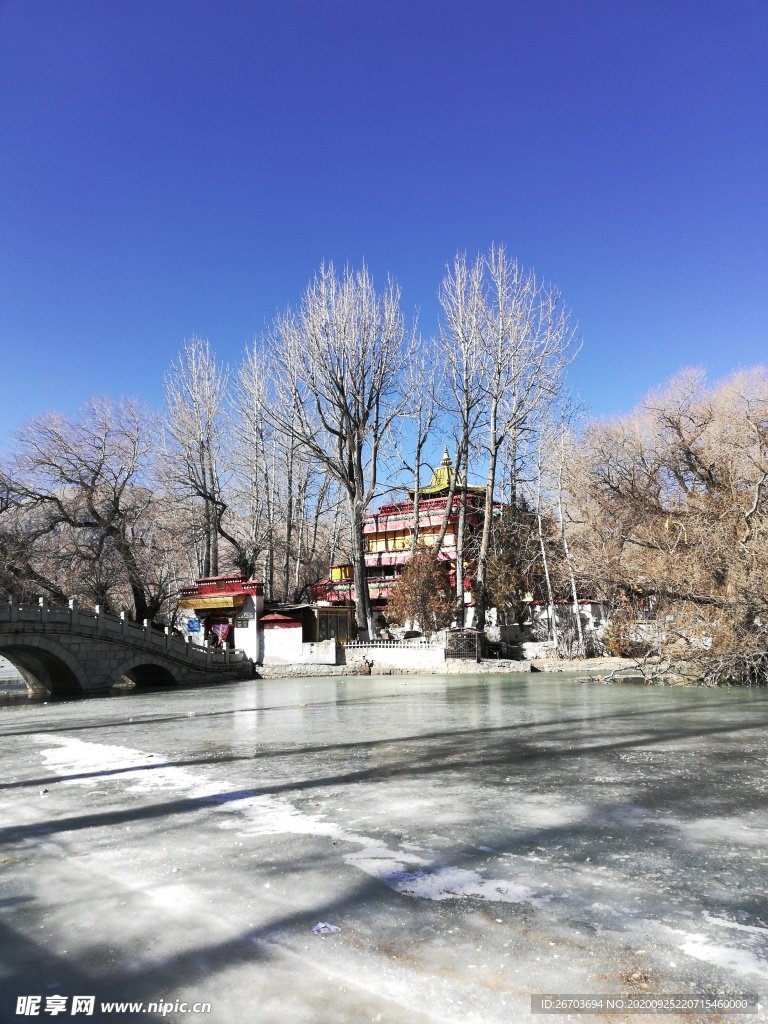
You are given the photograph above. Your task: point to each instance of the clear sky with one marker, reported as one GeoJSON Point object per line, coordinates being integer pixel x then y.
{"type": "Point", "coordinates": [179, 167]}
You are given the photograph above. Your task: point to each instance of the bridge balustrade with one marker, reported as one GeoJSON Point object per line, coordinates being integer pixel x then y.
{"type": "Point", "coordinates": [70, 650]}
{"type": "Point", "coordinates": [121, 627]}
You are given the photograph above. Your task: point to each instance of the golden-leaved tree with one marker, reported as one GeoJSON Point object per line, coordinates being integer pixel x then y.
{"type": "Point", "coordinates": [670, 507]}
{"type": "Point", "coordinates": [423, 595]}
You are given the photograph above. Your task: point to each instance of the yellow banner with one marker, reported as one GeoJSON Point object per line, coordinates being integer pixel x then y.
{"type": "Point", "coordinates": [233, 601]}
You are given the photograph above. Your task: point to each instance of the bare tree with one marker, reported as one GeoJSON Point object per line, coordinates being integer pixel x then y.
{"type": "Point", "coordinates": [511, 339]}
{"type": "Point", "coordinates": [337, 363]}
{"type": "Point", "coordinates": [195, 390]}
{"type": "Point", "coordinates": [287, 503]}
{"type": "Point", "coordinates": [674, 525]}
{"type": "Point", "coordinates": [422, 383]}
{"type": "Point", "coordinates": [255, 455]}
{"type": "Point", "coordinates": [514, 565]}
{"type": "Point", "coordinates": [551, 611]}
{"type": "Point", "coordinates": [461, 299]}
{"type": "Point", "coordinates": [84, 515]}
{"type": "Point", "coordinates": [557, 443]}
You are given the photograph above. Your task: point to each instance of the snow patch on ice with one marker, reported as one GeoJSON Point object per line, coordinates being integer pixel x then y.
{"type": "Point", "coordinates": [536, 812]}
{"type": "Point", "coordinates": [742, 961]}
{"type": "Point", "coordinates": [96, 762]}
{"type": "Point", "coordinates": [734, 924]}
{"type": "Point", "coordinates": [729, 830]}
{"type": "Point", "coordinates": [701, 947]}
{"type": "Point", "coordinates": [172, 897]}
{"type": "Point", "coordinates": [268, 814]}
{"type": "Point", "coordinates": [450, 882]}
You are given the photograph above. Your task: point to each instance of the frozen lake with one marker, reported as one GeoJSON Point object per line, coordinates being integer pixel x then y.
{"type": "Point", "coordinates": [473, 840]}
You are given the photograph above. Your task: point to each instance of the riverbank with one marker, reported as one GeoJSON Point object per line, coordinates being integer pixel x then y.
{"type": "Point", "coordinates": [365, 667]}
{"type": "Point", "coordinates": [596, 667]}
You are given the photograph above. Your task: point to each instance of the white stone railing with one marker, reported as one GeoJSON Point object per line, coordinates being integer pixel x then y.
{"type": "Point", "coordinates": [118, 628]}
{"type": "Point", "coordinates": [418, 643]}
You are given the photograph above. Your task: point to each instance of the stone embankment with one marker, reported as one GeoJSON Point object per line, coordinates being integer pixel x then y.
{"type": "Point", "coordinates": [366, 665]}
{"type": "Point", "coordinates": [588, 667]}
{"type": "Point", "coordinates": [301, 670]}
{"type": "Point", "coordinates": [427, 660]}
{"type": "Point", "coordinates": [361, 667]}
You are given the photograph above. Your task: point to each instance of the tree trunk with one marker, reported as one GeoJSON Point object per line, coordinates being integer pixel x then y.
{"type": "Point", "coordinates": [288, 522]}
{"type": "Point", "coordinates": [567, 553]}
{"type": "Point", "coordinates": [141, 606]}
{"type": "Point", "coordinates": [460, 551]}
{"type": "Point", "coordinates": [211, 495]}
{"type": "Point", "coordinates": [482, 558]}
{"type": "Point", "coordinates": [552, 630]}
{"type": "Point", "coordinates": [416, 500]}
{"type": "Point", "coordinates": [299, 545]}
{"type": "Point", "coordinates": [362, 597]}
{"type": "Point", "coordinates": [208, 535]}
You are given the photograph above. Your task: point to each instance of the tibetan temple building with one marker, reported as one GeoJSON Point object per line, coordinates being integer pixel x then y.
{"type": "Point", "coordinates": [387, 536]}
{"type": "Point", "coordinates": [224, 610]}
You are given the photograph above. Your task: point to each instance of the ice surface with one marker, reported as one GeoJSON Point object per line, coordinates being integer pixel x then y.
{"type": "Point", "coordinates": [474, 841]}
{"type": "Point", "coordinates": [265, 815]}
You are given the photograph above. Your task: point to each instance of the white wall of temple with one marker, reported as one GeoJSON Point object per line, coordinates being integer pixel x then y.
{"type": "Point", "coordinates": [247, 633]}
{"type": "Point", "coordinates": [319, 652]}
{"type": "Point", "coordinates": [281, 646]}
{"type": "Point", "coordinates": [284, 646]}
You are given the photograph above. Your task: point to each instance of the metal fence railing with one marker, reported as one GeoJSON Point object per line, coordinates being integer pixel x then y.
{"type": "Point", "coordinates": [464, 643]}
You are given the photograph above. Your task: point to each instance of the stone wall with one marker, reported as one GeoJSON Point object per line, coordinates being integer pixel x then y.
{"type": "Point", "coordinates": [285, 647]}
{"type": "Point", "coordinates": [386, 659]}
{"type": "Point", "coordinates": [382, 659]}
{"type": "Point", "coordinates": [321, 652]}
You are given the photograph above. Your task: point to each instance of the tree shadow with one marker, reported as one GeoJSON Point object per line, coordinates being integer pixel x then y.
{"type": "Point", "coordinates": [441, 758]}
{"type": "Point", "coordinates": [28, 965]}
{"type": "Point", "coordinates": [569, 722]}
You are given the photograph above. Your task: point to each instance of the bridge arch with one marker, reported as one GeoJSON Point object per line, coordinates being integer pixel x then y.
{"type": "Point", "coordinates": [45, 666]}
{"type": "Point", "coordinates": [143, 671]}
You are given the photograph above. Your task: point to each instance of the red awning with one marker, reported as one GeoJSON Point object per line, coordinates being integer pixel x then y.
{"type": "Point", "coordinates": [278, 620]}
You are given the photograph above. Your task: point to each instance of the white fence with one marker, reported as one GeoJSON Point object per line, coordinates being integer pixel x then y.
{"type": "Point", "coordinates": [415, 643]}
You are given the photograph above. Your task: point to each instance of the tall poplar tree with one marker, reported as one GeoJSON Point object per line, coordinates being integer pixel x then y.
{"type": "Point", "coordinates": [508, 339]}
{"type": "Point", "coordinates": [337, 364]}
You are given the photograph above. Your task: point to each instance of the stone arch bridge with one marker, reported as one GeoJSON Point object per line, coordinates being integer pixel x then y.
{"type": "Point", "coordinates": [68, 651]}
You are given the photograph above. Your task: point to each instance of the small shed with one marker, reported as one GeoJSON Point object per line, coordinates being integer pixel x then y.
{"type": "Point", "coordinates": [290, 636]}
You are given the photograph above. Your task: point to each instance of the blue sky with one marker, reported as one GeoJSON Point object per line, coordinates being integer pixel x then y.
{"type": "Point", "coordinates": [183, 167]}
